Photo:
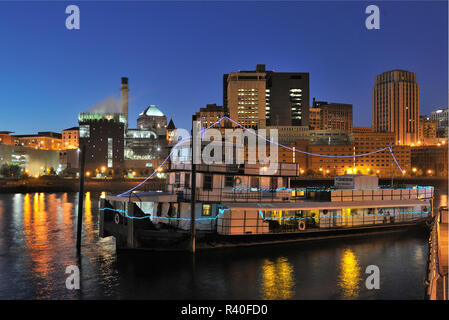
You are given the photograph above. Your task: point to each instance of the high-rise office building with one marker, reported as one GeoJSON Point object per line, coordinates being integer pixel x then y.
{"type": "Point", "coordinates": [396, 105]}
{"type": "Point", "coordinates": [261, 96]}
{"type": "Point", "coordinates": [245, 97]}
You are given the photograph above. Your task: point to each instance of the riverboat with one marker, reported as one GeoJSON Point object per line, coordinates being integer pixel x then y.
{"type": "Point", "coordinates": [241, 205]}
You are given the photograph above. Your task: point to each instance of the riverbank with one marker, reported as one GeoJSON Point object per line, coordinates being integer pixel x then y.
{"type": "Point", "coordinates": [72, 185]}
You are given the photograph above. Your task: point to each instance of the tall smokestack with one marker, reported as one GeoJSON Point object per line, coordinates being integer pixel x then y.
{"type": "Point", "coordinates": [124, 91]}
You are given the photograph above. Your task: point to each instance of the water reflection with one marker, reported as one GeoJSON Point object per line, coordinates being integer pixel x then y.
{"type": "Point", "coordinates": [350, 274]}
{"type": "Point", "coordinates": [278, 279]}
{"type": "Point", "coordinates": [88, 223]}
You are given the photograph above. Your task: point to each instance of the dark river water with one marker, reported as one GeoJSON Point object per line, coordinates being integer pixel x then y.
{"type": "Point", "coordinates": [37, 240]}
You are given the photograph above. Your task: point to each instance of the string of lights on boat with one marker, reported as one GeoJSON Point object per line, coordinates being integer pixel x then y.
{"type": "Point", "coordinates": [129, 192]}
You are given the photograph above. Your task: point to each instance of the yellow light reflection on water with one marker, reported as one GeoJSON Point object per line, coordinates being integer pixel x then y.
{"type": "Point", "coordinates": [88, 225]}
{"type": "Point", "coordinates": [35, 227]}
{"type": "Point", "coordinates": [277, 279]}
{"type": "Point", "coordinates": [350, 274]}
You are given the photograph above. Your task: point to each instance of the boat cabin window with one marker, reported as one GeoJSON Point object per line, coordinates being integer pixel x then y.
{"type": "Point", "coordinates": [206, 210]}
{"type": "Point", "coordinates": [159, 209]}
{"type": "Point", "coordinates": [207, 182]}
{"type": "Point", "coordinates": [177, 178]}
{"type": "Point", "coordinates": [229, 181]}
{"type": "Point", "coordinates": [254, 182]}
{"type": "Point", "coordinates": [171, 210]}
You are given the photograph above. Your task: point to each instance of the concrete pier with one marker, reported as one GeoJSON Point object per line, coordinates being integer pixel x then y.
{"type": "Point", "coordinates": [438, 259]}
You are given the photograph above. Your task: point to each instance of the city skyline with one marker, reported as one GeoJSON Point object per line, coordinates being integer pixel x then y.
{"type": "Point", "coordinates": [332, 78]}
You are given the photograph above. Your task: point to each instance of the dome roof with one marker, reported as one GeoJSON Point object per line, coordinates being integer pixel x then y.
{"type": "Point", "coordinates": [153, 111]}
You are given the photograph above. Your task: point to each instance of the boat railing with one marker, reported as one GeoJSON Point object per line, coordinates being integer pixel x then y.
{"type": "Point", "coordinates": [230, 194]}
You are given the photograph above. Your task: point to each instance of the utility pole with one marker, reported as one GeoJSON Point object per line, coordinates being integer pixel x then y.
{"type": "Point", "coordinates": [194, 145]}
{"type": "Point", "coordinates": [82, 158]}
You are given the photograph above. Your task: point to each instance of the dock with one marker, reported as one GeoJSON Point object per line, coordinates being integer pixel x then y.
{"type": "Point", "coordinates": [437, 281]}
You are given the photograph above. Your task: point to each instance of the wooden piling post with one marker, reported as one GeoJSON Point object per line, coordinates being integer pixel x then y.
{"type": "Point", "coordinates": [82, 158]}
{"type": "Point", "coordinates": [193, 192]}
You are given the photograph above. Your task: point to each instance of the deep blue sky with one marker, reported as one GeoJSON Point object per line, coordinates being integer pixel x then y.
{"type": "Point", "coordinates": [175, 53]}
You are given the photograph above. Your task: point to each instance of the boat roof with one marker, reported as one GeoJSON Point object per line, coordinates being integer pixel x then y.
{"type": "Point", "coordinates": [144, 196]}
{"type": "Point", "coordinates": [309, 205]}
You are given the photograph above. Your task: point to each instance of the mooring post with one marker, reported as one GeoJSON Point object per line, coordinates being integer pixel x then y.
{"type": "Point", "coordinates": [194, 145]}
{"type": "Point", "coordinates": [79, 226]}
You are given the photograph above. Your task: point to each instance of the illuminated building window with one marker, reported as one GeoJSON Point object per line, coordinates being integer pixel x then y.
{"type": "Point", "coordinates": [84, 131]}
{"type": "Point", "coordinates": [206, 210]}
{"type": "Point", "coordinates": [109, 152]}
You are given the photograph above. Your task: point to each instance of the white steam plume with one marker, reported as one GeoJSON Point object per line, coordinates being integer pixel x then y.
{"type": "Point", "coordinates": [108, 105]}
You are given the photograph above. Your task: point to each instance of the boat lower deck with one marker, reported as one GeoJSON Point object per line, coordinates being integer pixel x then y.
{"type": "Point", "coordinates": [171, 240]}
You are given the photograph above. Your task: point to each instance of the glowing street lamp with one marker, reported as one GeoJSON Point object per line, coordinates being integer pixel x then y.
{"type": "Point", "coordinates": [414, 169]}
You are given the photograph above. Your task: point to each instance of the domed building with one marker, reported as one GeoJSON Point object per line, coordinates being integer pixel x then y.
{"type": "Point", "coordinates": [153, 119]}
